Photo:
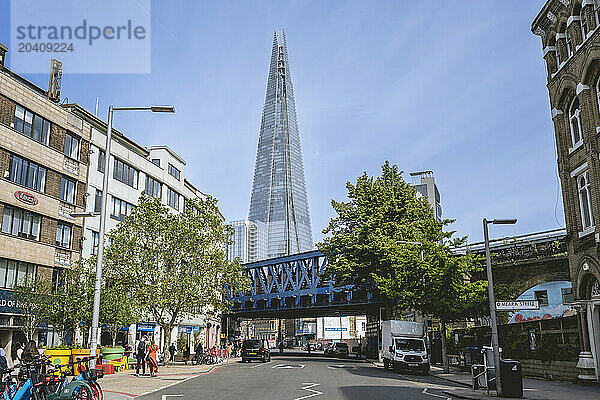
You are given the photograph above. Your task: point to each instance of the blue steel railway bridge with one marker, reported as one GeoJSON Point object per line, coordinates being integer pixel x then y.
{"type": "Point", "coordinates": [295, 287]}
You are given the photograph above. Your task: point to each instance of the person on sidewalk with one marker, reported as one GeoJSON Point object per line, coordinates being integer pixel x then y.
{"type": "Point", "coordinates": [199, 350]}
{"type": "Point", "coordinates": [172, 352]}
{"type": "Point", "coordinates": [186, 354]}
{"type": "Point", "coordinates": [152, 362]}
{"type": "Point", "coordinates": [141, 357]}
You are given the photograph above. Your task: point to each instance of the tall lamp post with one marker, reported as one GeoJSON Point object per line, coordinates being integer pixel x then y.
{"type": "Point", "coordinates": [494, 323]}
{"type": "Point", "coordinates": [98, 286]}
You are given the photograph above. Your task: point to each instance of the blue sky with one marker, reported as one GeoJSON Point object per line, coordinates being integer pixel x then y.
{"type": "Point", "coordinates": [455, 88]}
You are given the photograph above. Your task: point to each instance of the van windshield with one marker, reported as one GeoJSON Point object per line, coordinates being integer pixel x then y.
{"type": "Point", "coordinates": [410, 344]}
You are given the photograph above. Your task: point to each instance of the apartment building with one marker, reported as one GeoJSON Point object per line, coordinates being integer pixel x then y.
{"type": "Point", "coordinates": [133, 170]}
{"type": "Point", "coordinates": [44, 157]}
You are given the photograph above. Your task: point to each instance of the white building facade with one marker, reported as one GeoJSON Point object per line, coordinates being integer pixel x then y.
{"type": "Point", "coordinates": [250, 241]}
{"type": "Point", "coordinates": [134, 169]}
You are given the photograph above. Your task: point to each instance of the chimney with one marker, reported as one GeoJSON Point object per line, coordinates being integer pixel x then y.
{"type": "Point", "coordinates": [3, 50]}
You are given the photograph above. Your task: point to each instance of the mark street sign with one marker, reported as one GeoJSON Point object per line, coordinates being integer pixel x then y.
{"type": "Point", "coordinates": [517, 305]}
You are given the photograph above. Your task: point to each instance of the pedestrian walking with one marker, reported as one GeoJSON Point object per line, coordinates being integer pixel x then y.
{"type": "Point", "coordinates": [3, 360]}
{"type": "Point", "coordinates": [199, 350]}
{"type": "Point", "coordinates": [152, 362]}
{"type": "Point", "coordinates": [186, 354]}
{"type": "Point", "coordinates": [18, 352]}
{"type": "Point", "coordinates": [172, 352]}
{"type": "Point", "coordinates": [229, 350]}
{"type": "Point", "coordinates": [141, 356]}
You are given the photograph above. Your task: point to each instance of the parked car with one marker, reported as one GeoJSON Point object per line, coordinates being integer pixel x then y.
{"type": "Point", "coordinates": [255, 349]}
{"type": "Point", "coordinates": [339, 349]}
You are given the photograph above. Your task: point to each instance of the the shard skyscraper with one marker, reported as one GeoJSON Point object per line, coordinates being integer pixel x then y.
{"type": "Point", "coordinates": [279, 191]}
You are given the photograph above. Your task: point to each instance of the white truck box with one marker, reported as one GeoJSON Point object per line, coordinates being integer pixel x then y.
{"type": "Point", "coordinates": [410, 336]}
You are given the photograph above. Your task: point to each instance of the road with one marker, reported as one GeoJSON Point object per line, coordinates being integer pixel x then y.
{"type": "Point", "coordinates": [301, 377]}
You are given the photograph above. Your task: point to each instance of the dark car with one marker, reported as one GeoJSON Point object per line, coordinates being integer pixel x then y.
{"type": "Point", "coordinates": [255, 349]}
{"type": "Point", "coordinates": [340, 349]}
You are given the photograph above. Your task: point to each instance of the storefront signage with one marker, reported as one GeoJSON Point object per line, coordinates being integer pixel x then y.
{"type": "Point", "coordinates": [7, 303]}
{"type": "Point", "coordinates": [26, 198]}
{"type": "Point", "coordinates": [145, 327]}
{"type": "Point", "coordinates": [517, 305]}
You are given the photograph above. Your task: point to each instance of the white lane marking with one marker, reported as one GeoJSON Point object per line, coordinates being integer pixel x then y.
{"type": "Point", "coordinates": [260, 365]}
{"type": "Point", "coordinates": [166, 396]}
{"type": "Point", "coordinates": [288, 366]}
{"type": "Point", "coordinates": [340, 366]}
{"type": "Point", "coordinates": [436, 395]}
{"type": "Point", "coordinates": [308, 389]}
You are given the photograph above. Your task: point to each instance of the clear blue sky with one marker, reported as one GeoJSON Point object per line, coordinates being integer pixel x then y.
{"type": "Point", "coordinates": [455, 87]}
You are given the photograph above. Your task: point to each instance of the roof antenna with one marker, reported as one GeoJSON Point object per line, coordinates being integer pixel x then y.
{"type": "Point", "coordinates": [97, 102]}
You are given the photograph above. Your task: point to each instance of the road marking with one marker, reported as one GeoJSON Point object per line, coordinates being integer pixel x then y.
{"type": "Point", "coordinates": [436, 395]}
{"type": "Point", "coordinates": [166, 396]}
{"type": "Point", "coordinates": [289, 366]}
{"type": "Point", "coordinates": [342, 366]}
{"type": "Point", "coordinates": [308, 389]}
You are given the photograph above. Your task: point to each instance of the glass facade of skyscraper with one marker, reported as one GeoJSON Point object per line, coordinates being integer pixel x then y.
{"type": "Point", "coordinates": [279, 190]}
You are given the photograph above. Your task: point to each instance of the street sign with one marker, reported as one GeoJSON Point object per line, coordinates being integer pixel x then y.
{"type": "Point", "coordinates": [517, 305]}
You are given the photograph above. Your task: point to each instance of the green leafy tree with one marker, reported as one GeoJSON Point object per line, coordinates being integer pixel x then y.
{"type": "Point", "coordinates": [174, 263]}
{"type": "Point", "coordinates": [363, 249]}
{"type": "Point", "coordinates": [72, 300]}
{"type": "Point", "coordinates": [32, 295]}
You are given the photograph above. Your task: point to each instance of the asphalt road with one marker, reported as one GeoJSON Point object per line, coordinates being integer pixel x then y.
{"type": "Point", "coordinates": [301, 377]}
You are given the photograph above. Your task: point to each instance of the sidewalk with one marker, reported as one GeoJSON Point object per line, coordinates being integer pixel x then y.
{"type": "Point", "coordinates": [125, 385]}
{"type": "Point", "coordinates": [532, 388]}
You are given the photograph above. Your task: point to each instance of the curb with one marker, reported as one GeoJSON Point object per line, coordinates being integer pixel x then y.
{"type": "Point", "coordinates": [445, 378]}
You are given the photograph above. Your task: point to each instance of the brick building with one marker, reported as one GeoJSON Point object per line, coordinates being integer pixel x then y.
{"type": "Point", "coordinates": [44, 152]}
{"type": "Point", "coordinates": [571, 48]}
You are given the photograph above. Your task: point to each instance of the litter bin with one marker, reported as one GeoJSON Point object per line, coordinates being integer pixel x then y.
{"type": "Point", "coordinates": [512, 378]}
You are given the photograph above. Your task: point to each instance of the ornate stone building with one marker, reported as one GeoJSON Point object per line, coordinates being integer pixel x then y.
{"type": "Point", "coordinates": [571, 48]}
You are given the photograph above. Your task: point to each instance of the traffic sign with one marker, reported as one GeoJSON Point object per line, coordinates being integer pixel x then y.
{"type": "Point", "coordinates": [517, 305]}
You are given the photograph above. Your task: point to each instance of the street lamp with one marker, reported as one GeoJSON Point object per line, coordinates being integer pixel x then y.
{"type": "Point", "coordinates": [494, 323]}
{"type": "Point", "coordinates": [97, 288]}
{"type": "Point", "coordinates": [84, 214]}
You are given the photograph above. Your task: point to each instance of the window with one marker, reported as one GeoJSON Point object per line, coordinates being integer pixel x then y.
{"type": "Point", "coordinates": [569, 44]}
{"type": "Point", "coordinates": [584, 26]}
{"type": "Point", "coordinates": [173, 198]}
{"type": "Point", "coordinates": [120, 209]}
{"type": "Point", "coordinates": [101, 155]}
{"type": "Point", "coordinates": [598, 92]}
{"type": "Point", "coordinates": [98, 201]}
{"type": "Point", "coordinates": [11, 272]}
{"type": "Point", "coordinates": [58, 279]}
{"type": "Point", "coordinates": [125, 173]}
{"type": "Point", "coordinates": [31, 125]}
{"type": "Point", "coordinates": [95, 241]}
{"type": "Point", "coordinates": [542, 297]}
{"type": "Point", "coordinates": [585, 201]}
{"type": "Point", "coordinates": [173, 171]}
{"type": "Point", "coordinates": [63, 235]}
{"type": "Point", "coordinates": [596, 7]}
{"type": "Point", "coordinates": [27, 173]}
{"type": "Point", "coordinates": [156, 161]}
{"type": "Point", "coordinates": [575, 122]}
{"type": "Point", "coordinates": [152, 187]}
{"type": "Point", "coordinates": [71, 146]}
{"type": "Point", "coordinates": [18, 222]}
{"type": "Point", "coordinates": [67, 190]}
{"type": "Point", "coordinates": [567, 295]}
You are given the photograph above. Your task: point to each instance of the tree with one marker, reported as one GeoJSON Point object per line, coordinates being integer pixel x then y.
{"type": "Point", "coordinates": [363, 250]}
{"type": "Point", "coordinates": [174, 263]}
{"type": "Point", "coordinates": [32, 295]}
{"type": "Point", "coordinates": [72, 301]}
